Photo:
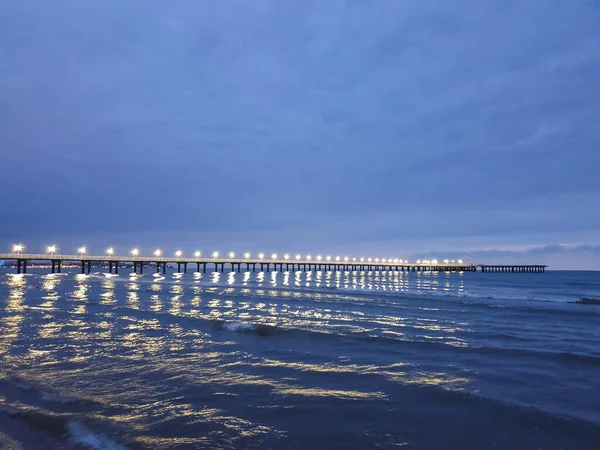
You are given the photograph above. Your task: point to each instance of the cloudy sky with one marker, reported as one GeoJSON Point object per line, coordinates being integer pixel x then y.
{"type": "Point", "coordinates": [465, 128]}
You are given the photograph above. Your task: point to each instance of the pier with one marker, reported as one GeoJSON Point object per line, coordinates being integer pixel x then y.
{"type": "Point", "coordinates": [219, 264]}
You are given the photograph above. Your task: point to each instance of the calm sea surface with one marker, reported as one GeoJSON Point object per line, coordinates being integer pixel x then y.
{"type": "Point", "coordinates": [300, 360]}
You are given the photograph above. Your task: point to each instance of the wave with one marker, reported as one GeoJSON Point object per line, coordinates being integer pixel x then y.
{"type": "Point", "coordinates": [60, 425]}
{"type": "Point", "coordinates": [243, 327]}
{"type": "Point", "coordinates": [15, 382]}
{"type": "Point", "coordinates": [459, 346]}
{"type": "Point", "coordinates": [63, 426]}
{"type": "Point", "coordinates": [80, 434]}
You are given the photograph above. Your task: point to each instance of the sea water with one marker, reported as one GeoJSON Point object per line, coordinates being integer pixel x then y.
{"type": "Point", "coordinates": [318, 360]}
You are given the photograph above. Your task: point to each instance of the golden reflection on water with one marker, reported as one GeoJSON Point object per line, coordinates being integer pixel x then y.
{"type": "Point", "coordinates": [11, 322]}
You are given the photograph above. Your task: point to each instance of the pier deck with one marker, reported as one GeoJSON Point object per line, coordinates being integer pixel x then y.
{"type": "Point", "coordinates": [114, 262]}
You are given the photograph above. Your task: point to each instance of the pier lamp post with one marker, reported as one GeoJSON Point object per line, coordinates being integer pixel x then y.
{"type": "Point", "coordinates": [434, 261]}
{"type": "Point", "coordinates": [157, 252]}
{"type": "Point", "coordinates": [298, 257]}
{"type": "Point", "coordinates": [337, 258]}
{"type": "Point", "coordinates": [231, 255]}
{"type": "Point", "coordinates": [52, 249]}
{"type": "Point", "coordinates": [460, 261]}
{"type": "Point", "coordinates": [110, 251]}
{"type": "Point", "coordinates": [353, 259]}
{"type": "Point", "coordinates": [346, 259]}
{"type": "Point", "coordinates": [134, 252]}
{"type": "Point", "coordinates": [215, 254]}
{"type": "Point", "coordinates": [261, 255]}
{"type": "Point", "coordinates": [376, 260]}
{"type": "Point", "coordinates": [178, 253]}
{"type": "Point", "coordinates": [362, 259]}
{"type": "Point", "coordinates": [308, 258]}
{"type": "Point", "coordinates": [17, 248]}
{"type": "Point", "coordinates": [247, 255]}
{"type": "Point", "coordinates": [370, 259]}
{"type": "Point", "coordinates": [197, 254]}
{"type": "Point", "coordinates": [286, 256]}
{"type": "Point", "coordinates": [82, 250]}
{"type": "Point", "coordinates": [274, 256]}
{"type": "Point", "coordinates": [446, 261]}
{"type": "Point", "coordinates": [328, 258]}
{"type": "Point", "coordinates": [319, 258]}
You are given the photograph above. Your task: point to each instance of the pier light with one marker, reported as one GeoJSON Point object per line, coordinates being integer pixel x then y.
{"type": "Point", "coordinates": [376, 259]}
{"type": "Point", "coordinates": [178, 253]}
{"type": "Point", "coordinates": [309, 257]}
{"type": "Point", "coordinates": [337, 258]}
{"type": "Point", "coordinates": [82, 250]}
{"type": "Point", "coordinates": [286, 256]}
{"type": "Point", "coordinates": [446, 261]}
{"type": "Point", "coordinates": [383, 259]}
{"type": "Point", "coordinates": [197, 254]}
{"type": "Point", "coordinates": [298, 257]}
{"type": "Point", "coordinates": [395, 260]}
{"type": "Point", "coordinates": [261, 255]}
{"type": "Point", "coordinates": [353, 259]}
{"type": "Point", "coordinates": [134, 252]}
{"type": "Point", "coordinates": [215, 254]}
{"type": "Point", "coordinates": [52, 249]}
{"type": "Point", "coordinates": [370, 259]}
{"type": "Point", "coordinates": [17, 248]}
{"type": "Point", "coordinates": [157, 252]}
{"type": "Point", "coordinates": [460, 261]}
{"type": "Point", "coordinates": [246, 255]}
{"type": "Point", "coordinates": [362, 259]}
{"type": "Point", "coordinates": [452, 261]}
{"type": "Point", "coordinates": [346, 259]}
{"type": "Point", "coordinates": [319, 258]}
{"type": "Point", "coordinates": [274, 256]}
{"type": "Point", "coordinates": [434, 261]}
{"type": "Point", "coordinates": [231, 255]}
{"type": "Point", "coordinates": [110, 251]}
{"type": "Point", "coordinates": [328, 258]}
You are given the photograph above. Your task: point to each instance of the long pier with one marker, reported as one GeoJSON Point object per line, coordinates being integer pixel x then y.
{"type": "Point", "coordinates": [200, 264]}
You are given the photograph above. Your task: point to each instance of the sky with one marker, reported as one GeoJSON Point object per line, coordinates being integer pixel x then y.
{"type": "Point", "coordinates": [464, 129]}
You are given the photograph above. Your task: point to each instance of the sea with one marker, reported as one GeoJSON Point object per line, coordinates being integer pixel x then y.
{"type": "Point", "coordinates": [299, 360]}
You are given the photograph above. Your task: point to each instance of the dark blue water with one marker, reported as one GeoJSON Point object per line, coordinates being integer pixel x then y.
{"type": "Point", "coordinates": [295, 360]}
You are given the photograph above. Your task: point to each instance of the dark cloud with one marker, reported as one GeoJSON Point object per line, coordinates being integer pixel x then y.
{"type": "Point", "coordinates": [347, 125]}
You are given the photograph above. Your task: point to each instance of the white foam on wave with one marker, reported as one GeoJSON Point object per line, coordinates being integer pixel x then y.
{"type": "Point", "coordinates": [80, 434]}
{"type": "Point", "coordinates": [239, 326]}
